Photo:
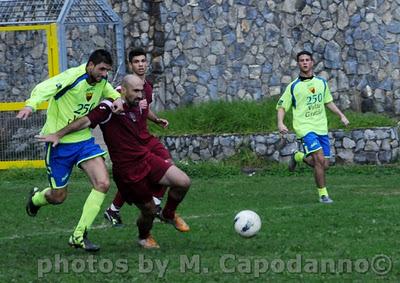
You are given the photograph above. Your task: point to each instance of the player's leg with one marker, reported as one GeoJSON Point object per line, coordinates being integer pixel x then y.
{"type": "Point", "coordinates": [318, 150]}
{"type": "Point", "coordinates": [179, 184]}
{"type": "Point", "coordinates": [326, 149]}
{"type": "Point", "coordinates": [92, 163]}
{"type": "Point", "coordinates": [145, 223]}
{"type": "Point", "coordinates": [318, 160]}
{"type": "Point", "coordinates": [309, 146]}
{"type": "Point", "coordinates": [297, 157]}
{"type": "Point", "coordinates": [112, 212]}
{"type": "Point", "coordinates": [157, 148]}
{"type": "Point", "coordinates": [59, 163]}
{"type": "Point", "coordinates": [141, 195]}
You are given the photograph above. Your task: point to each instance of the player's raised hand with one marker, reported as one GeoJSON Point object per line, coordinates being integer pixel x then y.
{"type": "Point", "coordinates": [24, 113]}
{"type": "Point", "coordinates": [53, 138]}
{"type": "Point", "coordinates": [143, 104]}
{"type": "Point", "coordinates": [118, 106]}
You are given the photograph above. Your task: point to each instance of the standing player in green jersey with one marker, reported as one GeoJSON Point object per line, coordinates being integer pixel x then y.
{"type": "Point", "coordinates": [307, 96]}
{"type": "Point", "coordinates": [71, 95]}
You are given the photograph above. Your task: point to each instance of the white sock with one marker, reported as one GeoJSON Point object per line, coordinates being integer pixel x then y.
{"type": "Point", "coordinates": [157, 201]}
{"type": "Point", "coordinates": [114, 208]}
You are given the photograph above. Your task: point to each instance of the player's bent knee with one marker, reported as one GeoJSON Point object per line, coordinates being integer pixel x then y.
{"type": "Point", "coordinates": [186, 182]}
{"type": "Point", "coordinates": [102, 185]}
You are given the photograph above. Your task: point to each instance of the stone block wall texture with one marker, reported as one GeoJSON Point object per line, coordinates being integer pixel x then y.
{"type": "Point", "coordinates": [205, 50]}
{"type": "Point", "coordinates": [23, 56]}
{"type": "Point", "coordinates": [23, 63]}
{"type": "Point", "coordinates": [366, 146]}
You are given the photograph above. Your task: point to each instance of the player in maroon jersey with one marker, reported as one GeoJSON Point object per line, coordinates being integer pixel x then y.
{"type": "Point", "coordinates": [138, 64]}
{"type": "Point", "coordinates": [137, 171]}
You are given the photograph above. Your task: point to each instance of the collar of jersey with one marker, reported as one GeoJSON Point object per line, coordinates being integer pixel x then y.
{"type": "Point", "coordinates": [305, 78]}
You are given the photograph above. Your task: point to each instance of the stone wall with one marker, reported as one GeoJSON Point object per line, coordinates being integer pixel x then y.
{"type": "Point", "coordinates": [243, 49]}
{"type": "Point", "coordinates": [366, 146]}
{"type": "Point", "coordinates": [23, 63]}
{"type": "Point", "coordinates": [81, 41]}
{"type": "Point", "coordinates": [223, 49]}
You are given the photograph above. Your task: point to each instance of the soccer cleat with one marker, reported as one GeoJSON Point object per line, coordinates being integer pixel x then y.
{"type": "Point", "coordinates": [148, 243]}
{"type": "Point", "coordinates": [32, 209]}
{"type": "Point", "coordinates": [177, 222]}
{"type": "Point", "coordinates": [325, 199]}
{"type": "Point", "coordinates": [292, 162]}
{"type": "Point", "coordinates": [113, 217]}
{"type": "Point", "coordinates": [82, 242]}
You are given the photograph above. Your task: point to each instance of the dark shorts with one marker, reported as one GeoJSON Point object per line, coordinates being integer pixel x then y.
{"type": "Point", "coordinates": [156, 147]}
{"type": "Point", "coordinates": [141, 191]}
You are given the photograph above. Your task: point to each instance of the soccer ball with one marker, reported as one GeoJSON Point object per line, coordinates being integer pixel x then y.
{"type": "Point", "coordinates": [247, 223]}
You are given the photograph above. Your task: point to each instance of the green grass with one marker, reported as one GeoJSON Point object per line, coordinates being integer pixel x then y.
{"type": "Point", "coordinates": [247, 117]}
{"type": "Point", "coordinates": [361, 224]}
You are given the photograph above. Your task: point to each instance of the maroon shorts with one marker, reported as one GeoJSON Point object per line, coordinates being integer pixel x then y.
{"type": "Point", "coordinates": [156, 147]}
{"type": "Point", "coordinates": [141, 191]}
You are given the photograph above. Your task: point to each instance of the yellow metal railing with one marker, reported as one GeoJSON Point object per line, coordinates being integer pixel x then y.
{"type": "Point", "coordinates": [53, 65]}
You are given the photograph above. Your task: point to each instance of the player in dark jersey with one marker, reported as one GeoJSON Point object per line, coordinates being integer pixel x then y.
{"type": "Point", "coordinates": [138, 64]}
{"type": "Point", "coordinates": [136, 170]}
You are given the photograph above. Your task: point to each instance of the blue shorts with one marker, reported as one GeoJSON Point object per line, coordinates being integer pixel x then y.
{"type": "Point", "coordinates": [313, 142]}
{"type": "Point", "coordinates": [61, 159]}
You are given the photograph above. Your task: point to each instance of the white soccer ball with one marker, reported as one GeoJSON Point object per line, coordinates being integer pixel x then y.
{"type": "Point", "coordinates": [247, 223]}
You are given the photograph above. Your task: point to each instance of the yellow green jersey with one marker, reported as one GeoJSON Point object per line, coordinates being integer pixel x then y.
{"type": "Point", "coordinates": [70, 97]}
{"type": "Point", "coordinates": [307, 98]}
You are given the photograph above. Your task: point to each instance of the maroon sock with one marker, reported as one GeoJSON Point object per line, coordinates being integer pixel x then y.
{"type": "Point", "coordinates": [143, 233]}
{"type": "Point", "coordinates": [118, 200]}
{"type": "Point", "coordinates": [170, 207]}
{"type": "Point", "coordinates": [144, 227]}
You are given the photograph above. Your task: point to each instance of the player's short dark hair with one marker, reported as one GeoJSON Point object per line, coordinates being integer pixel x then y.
{"type": "Point", "coordinates": [100, 56]}
{"type": "Point", "coordinates": [136, 52]}
{"type": "Point", "coordinates": [304, 52]}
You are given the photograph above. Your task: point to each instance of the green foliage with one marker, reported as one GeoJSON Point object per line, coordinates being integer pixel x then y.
{"type": "Point", "coordinates": [247, 117]}
{"type": "Point", "coordinates": [220, 117]}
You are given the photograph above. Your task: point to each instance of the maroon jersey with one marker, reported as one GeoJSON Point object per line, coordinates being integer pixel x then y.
{"type": "Point", "coordinates": [148, 92]}
{"type": "Point", "coordinates": [123, 135]}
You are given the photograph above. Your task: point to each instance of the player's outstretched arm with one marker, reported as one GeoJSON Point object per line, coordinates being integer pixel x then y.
{"type": "Point", "coordinates": [280, 117]}
{"type": "Point", "coordinates": [332, 106]}
{"type": "Point", "coordinates": [159, 121]}
{"type": "Point", "coordinates": [76, 125]}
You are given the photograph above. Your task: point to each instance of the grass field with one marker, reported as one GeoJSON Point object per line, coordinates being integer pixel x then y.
{"type": "Point", "coordinates": [300, 239]}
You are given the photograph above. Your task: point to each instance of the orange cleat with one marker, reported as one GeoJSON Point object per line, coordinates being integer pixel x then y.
{"type": "Point", "coordinates": [148, 243]}
{"type": "Point", "coordinates": [177, 222]}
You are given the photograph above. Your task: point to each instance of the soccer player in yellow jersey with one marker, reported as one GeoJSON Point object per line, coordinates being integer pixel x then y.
{"type": "Point", "coordinates": [307, 96]}
{"type": "Point", "coordinates": [71, 95]}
